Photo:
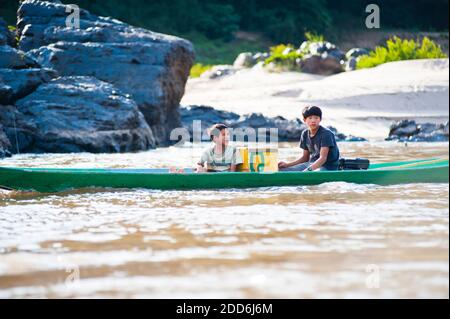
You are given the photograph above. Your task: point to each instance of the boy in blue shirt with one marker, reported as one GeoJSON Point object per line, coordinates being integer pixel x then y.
{"type": "Point", "coordinates": [320, 150]}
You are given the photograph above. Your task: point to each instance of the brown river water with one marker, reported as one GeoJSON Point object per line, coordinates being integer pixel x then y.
{"type": "Point", "coordinates": [334, 240]}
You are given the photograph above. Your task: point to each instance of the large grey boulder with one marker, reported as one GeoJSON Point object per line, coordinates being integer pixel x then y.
{"type": "Point", "coordinates": [16, 84]}
{"type": "Point", "coordinates": [152, 68]}
{"type": "Point", "coordinates": [78, 114]}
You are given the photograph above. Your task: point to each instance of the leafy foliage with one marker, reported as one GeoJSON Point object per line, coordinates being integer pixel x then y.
{"type": "Point", "coordinates": [284, 56]}
{"type": "Point", "coordinates": [198, 69]}
{"type": "Point", "coordinates": [397, 50]}
{"type": "Point", "coordinates": [314, 37]}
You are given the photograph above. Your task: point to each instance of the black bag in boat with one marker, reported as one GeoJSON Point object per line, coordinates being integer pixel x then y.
{"type": "Point", "coordinates": [353, 164]}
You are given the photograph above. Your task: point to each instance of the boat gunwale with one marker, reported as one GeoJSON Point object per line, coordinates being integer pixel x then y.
{"type": "Point", "coordinates": [384, 167]}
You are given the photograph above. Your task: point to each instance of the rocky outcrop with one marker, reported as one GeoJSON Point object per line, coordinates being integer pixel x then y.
{"type": "Point", "coordinates": [77, 114]}
{"type": "Point", "coordinates": [410, 131]}
{"type": "Point", "coordinates": [207, 116]}
{"type": "Point", "coordinates": [288, 130]}
{"type": "Point", "coordinates": [321, 57]}
{"type": "Point", "coordinates": [103, 87]}
{"type": "Point", "coordinates": [16, 84]}
{"type": "Point", "coordinates": [152, 68]}
{"type": "Point", "coordinates": [11, 58]}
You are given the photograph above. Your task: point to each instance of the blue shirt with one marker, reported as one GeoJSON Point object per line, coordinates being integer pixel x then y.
{"type": "Point", "coordinates": [323, 138]}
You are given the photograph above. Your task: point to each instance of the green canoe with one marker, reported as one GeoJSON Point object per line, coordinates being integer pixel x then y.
{"type": "Point", "coordinates": [55, 179]}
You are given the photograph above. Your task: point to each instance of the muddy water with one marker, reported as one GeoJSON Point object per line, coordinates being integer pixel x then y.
{"type": "Point", "coordinates": [333, 240]}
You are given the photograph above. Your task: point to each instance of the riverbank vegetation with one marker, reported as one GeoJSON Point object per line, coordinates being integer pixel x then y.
{"type": "Point", "coordinates": [397, 49]}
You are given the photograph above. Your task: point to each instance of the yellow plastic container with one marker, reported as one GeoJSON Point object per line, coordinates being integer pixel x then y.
{"type": "Point", "coordinates": [258, 160]}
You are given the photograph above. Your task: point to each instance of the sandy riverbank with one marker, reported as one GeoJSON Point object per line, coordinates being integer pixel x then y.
{"type": "Point", "coordinates": [363, 102]}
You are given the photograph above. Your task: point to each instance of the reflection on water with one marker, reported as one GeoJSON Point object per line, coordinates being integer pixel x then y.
{"type": "Point", "coordinates": [332, 240]}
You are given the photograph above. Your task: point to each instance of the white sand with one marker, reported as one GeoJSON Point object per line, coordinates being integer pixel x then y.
{"type": "Point", "coordinates": [362, 103]}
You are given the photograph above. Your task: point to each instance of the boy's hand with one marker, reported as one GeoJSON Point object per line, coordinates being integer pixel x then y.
{"type": "Point", "coordinates": [200, 169]}
{"type": "Point", "coordinates": [283, 165]}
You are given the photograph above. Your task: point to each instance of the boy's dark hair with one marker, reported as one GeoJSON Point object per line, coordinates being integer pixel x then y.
{"type": "Point", "coordinates": [215, 130]}
{"type": "Point", "coordinates": [312, 110]}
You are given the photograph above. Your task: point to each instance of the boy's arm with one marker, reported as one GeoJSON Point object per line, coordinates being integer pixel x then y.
{"type": "Point", "coordinates": [322, 159]}
{"type": "Point", "coordinates": [303, 159]}
{"type": "Point", "coordinates": [201, 164]}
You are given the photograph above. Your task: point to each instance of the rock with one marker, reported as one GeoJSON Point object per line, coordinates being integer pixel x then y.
{"type": "Point", "coordinates": [405, 128]}
{"type": "Point", "coordinates": [338, 55]}
{"type": "Point", "coordinates": [319, 48]}
{"type": "Point", "coordinates": [445, 128]}
{"type": "Point", "coordinates": [11, 58]}
{"type": "Point", "coordinates": [409, 131]}
{"type": "Point", "coordinates": [432, 137]}
{"type": "Point", "coordinates": [16, 84]}
{"type": "Point", "coordinates": [352, 56]}
{"type": "Point", "coordinates": [351, 64]}
{"type": "Point", "coordinates": [152, 68]}
{"type": "Point", "coordinates": [322, 58]}
{"type": "Point", "coordinates": [6, 36]}
{"type": "Point", "coordinates": [19, 129]}
{"type": "Point", "coordinates": [244, 60]}
{"type": "Point", "coordinates": [218, 71]}
{"type": "Point", "coordinates": [316, 48]}
{"type": "Point", "coordinates": [356, 53]}
{"type": "Point", "coordinates": [5, 145]}
{"type": "Point", "coordinates": [81, 114]}
{"type": "Point", "coordinates": [260, 57]}
{"type": "Point", "coordinates": [322, 65]}
{"type": "Point", "coordinates": [339, 136]}
{"type": "Point", "coordinates": [288, 130]}
{"type": "Point", "coordinates": [207, 117]}
{"type": "Point", "coordinates": [352, 138]}
{"type": "Point", "coordinates": [427, 128]}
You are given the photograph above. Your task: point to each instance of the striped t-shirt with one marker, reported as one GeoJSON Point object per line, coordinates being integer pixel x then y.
{"type": "Point", "coordinates": [221, 162]}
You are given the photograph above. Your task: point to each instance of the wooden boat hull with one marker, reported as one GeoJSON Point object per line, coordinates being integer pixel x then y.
{"type": "Point", "coordinates": [56, 180]}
